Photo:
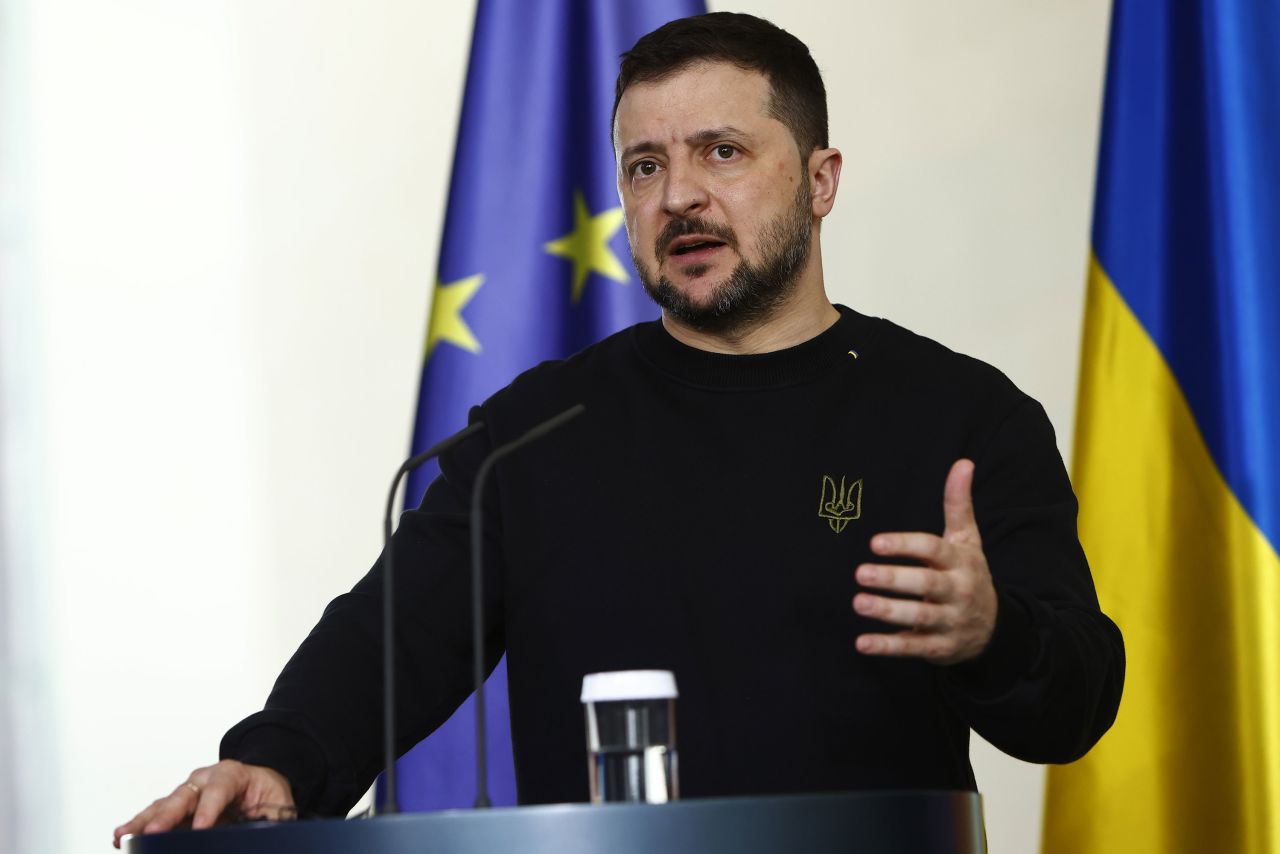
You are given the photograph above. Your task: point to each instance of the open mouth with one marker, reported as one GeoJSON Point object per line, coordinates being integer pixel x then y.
{"type": "Point", "coordinates": [696, 247]}
{"type": "Point", "coordinates": [695, 250]}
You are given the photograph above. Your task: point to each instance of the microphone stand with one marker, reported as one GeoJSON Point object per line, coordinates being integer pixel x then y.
{"type": "Point", "coordinates": [477, 591]}
{"type": "Point", "coordinates": [390, 804]}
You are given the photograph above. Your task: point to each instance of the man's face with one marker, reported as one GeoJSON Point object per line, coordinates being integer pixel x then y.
{"type": "Point", "coordinates": [716, 197]}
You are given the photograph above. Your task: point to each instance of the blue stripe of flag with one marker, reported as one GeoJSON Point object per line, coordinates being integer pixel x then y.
{"type": "Point", "coordinates": [1187, 218]}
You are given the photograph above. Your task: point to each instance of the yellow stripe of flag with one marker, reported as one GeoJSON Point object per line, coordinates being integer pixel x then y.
{"type": "Point", "coordinates": [1193, 761]}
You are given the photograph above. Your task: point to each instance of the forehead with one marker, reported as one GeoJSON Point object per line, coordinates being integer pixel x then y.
{"type": "Point", "coordinates": [707, 94]}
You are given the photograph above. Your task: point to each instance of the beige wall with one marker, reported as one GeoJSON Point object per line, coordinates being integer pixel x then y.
{"type": "Point", "coordinates": [217, 263]}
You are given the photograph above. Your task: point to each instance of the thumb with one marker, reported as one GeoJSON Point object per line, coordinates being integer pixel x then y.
{"type": "Point", "coordinates": [957, 502]}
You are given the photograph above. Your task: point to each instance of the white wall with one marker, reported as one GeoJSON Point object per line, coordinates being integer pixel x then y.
{"type": "Point", "coordinates": [219, 230]}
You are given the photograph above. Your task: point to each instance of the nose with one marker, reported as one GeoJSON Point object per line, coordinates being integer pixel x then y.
{"type": "Point", "coordinates": [684, 193]}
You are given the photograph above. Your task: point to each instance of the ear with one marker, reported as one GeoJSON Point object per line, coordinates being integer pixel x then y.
{"type": "Point", "coordinates": [824, 179]}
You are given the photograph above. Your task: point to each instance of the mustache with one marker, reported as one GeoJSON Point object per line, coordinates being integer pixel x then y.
{"type": "Point", "coordinates": [693, 225]}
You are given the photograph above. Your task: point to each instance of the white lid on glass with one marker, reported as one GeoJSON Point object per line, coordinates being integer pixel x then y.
{"type": "Point", "coordinates": [629, 685]}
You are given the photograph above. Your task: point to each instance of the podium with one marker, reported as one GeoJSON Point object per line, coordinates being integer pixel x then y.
{"type": "Point", "coordinates": [909, 822]}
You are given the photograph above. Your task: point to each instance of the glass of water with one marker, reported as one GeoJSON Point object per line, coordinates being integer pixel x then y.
{"type": "Point", "coordinates": [631, 736]}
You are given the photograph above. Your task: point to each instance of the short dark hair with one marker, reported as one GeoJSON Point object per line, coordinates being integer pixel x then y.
{"type": "Point", "coordinates": [797, 97]}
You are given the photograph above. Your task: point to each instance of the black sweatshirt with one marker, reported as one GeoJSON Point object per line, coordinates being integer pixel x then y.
{"type": "Point", "coordinates": [705, 516]}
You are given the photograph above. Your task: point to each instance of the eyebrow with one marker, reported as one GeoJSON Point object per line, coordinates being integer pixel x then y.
{"type": "Point", "coordinates": [701, 137]}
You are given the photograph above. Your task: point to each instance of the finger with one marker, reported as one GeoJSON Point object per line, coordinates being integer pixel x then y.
{"type": "Point", "coordinates": [171, 811]}
{"type": "Point", "coordinates": [201, 776]}
{"type": "Point", "coordinates": [929, 548]}
{"type": "Point", "coordinates": [135, 824]}
{"type": "Point", "coordinates": [165, 813]}
{"type": "Point", "coordinates": [905, 644]}
{"type": "Point", "coordinates": [215, 797]}
{"type": "Point", "coordinates": [919, 616]}
{"type": "Point", "coordinates": [932, 584]}
{"type": "Point", "coordinates": [957, 501]}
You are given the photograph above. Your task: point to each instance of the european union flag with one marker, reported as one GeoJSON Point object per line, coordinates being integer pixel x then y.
{"type": "Point", "coordinates": [534, 266]}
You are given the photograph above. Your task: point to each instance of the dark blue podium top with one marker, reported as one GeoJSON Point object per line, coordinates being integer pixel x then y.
{"type": "Point", "coordinates": [854, 823]}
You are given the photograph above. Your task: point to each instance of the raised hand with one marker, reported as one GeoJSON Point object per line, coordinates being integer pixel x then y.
{"type": "Point", "coordinates": [954, 614]}
{"type": "Point", "coordinates": [208, 793]}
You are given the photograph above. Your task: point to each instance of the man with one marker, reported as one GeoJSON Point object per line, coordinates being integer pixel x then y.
{"type": "Point", "coordinates": [850, 544]}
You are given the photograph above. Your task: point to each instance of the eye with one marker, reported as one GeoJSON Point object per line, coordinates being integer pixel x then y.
{"type": "Point", "coordinates": [643, 168]}
{"type": "Point", "coordinates": [725, 151]}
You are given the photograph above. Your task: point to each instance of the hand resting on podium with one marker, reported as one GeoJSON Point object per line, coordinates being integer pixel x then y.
{"type": "Point", "coordinates": [210, 794]}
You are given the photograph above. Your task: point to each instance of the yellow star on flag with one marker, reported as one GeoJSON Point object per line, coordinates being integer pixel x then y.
{"type": "Point", "coordinates": [587, 246]}
{"type": "Point", "coordinates": [446, 315]}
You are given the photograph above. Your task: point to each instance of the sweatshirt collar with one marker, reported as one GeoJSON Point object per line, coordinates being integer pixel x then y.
{"type": "Point", "coordinates": [785, 367]}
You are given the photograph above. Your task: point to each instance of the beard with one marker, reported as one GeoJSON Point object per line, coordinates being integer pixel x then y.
{"type": "Point", "coordinates": [753, 290]}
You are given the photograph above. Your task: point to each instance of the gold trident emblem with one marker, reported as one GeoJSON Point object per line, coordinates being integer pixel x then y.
{"type": "Point", "coordinates": [839, 506]}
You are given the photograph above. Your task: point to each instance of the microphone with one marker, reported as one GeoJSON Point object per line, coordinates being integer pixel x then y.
{"type": "Point", "coordinates": [390, 804]}
{"type": "Point", "coordinates": [477, 593]}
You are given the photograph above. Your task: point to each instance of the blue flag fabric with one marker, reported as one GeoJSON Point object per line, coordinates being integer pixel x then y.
{"type": "Point", "coordinates": [534, 266]}
{"type": "Point", "coordinates": [1187, 221]}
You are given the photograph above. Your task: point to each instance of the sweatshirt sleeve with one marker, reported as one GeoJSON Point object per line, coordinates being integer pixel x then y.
{"type": "Point", "coordinates": [322, 724]}
{"type": "Point", "coordinates": [1048, 684]}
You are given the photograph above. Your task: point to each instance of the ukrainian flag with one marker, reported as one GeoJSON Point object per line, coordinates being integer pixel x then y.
{"type": "Point", "coordinates": [1177, 454]}
{"type": "Point", "coordinates": [533, 266]}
